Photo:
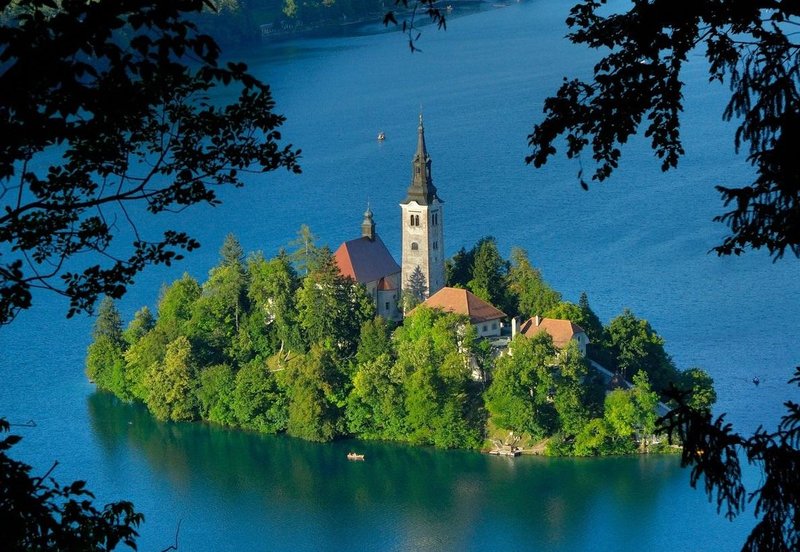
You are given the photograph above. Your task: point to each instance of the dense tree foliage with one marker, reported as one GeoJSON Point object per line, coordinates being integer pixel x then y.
{"type": "Point", "coordinates": [636, 347]}
{"type": "Point", "coordinates": [533, 295]}
{"type": "Point", "coordinates": [74, 158]}
{"type": "Point", "coordinates": [308, 357]}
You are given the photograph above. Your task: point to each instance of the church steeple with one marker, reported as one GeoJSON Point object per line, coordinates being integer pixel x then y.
{"type": "Point", "coordinates": [422, 189]}
{"type": "Point", "coordinates": [423, 224]}
{"type": "Point", "coordinates": [368, 225]}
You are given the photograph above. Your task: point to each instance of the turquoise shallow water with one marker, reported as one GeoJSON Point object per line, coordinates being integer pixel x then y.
{"type": "Point", "coordinates": [640, 240]}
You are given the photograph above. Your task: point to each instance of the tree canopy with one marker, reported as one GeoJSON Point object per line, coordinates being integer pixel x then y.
{"type": "Point", "coordinates": [77, 164]}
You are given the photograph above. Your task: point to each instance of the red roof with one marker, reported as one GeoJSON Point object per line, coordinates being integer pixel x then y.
{"type": "Point", "coordinates": [560, 330]}
{"type": "Point", "coordinates": [365, 260]}
{"type": "Point", "coordinates": [386, 285]}
{"type": "Point", "coordinates": [462, 301]}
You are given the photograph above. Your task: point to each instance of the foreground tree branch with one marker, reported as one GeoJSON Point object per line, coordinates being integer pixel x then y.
{"type": "Point", "coordinates": [714, 452]}
{"type": "Point", "coordinates": [750, 45]}
{"type": "Point", "coordinates": [104, 105]}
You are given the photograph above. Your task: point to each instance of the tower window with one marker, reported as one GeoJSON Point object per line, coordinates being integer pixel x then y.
{"type": "Point", "coordinates": [436, 245]}
{"type": "Point", "coordinates": [416, 220]}
{"type": "Point", "coordinates": [414, 246]}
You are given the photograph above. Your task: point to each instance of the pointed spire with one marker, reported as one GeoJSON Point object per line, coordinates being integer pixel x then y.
{"type": "Point", "coordinates": [422, 151]}
{"type": "Point", "coordinates": [422, 189]}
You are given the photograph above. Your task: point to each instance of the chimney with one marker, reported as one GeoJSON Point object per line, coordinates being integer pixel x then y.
{"type": "Point", "coordinates": [514, 326]}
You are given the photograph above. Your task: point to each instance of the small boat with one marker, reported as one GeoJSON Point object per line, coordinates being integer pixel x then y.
{"type": "Point", "coordinates": [355, 457]}
{"type": "Point", "coordinates": [381, 136]}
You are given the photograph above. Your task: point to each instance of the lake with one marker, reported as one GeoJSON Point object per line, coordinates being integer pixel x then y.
{"type": "Point", "coordinates": [640, 240]}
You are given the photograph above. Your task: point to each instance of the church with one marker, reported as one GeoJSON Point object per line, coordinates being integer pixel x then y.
{"type": "Point", "coordinates": [367, 260]}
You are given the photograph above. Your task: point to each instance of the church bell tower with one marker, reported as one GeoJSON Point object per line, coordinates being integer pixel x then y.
{"type": "Point", "coordinates": [422, 223]}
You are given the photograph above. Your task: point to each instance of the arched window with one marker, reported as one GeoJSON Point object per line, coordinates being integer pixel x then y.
{"type": "Point", "coordinates": [414, 246]}
{"type": "Point", "coordinates": [416, 220]}
{"type": "Point", "coordinates": [411, 221]}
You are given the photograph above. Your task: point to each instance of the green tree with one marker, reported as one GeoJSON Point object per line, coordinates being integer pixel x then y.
{"type": "Point", "coordinates": [105, 365]}
{"type": "Point", "coordinates": [526, 285]}
{"type": "Point", "coordinates": [171, 386]}
{"type": "Point", "coordinates": [143, 357]}
{"type": "Point", "coordinates": [636, 346]}
{"type": "Point", "coordinates": [314, 389]}
{"type": "Point", "coordinates": [489, 272]}
{"type": "Point", "coordinates": [374, 341]}
{"type": "Point", "coordinates": [375, 405]}
{"type": "Point", "coordinates": [632, 412]}
{"type": "Point", "coordinates": [589, 321]}
{"type": "Point", "coordinates": [258, 400]}
{"type": "Point", "coordinates": [565, 310]}
{"type": "Point", "coordinates": [332, 308]}
{"type": "Point", "coordinates": [433, 364]}
{"type": "Point", "coordinates": [518, 398]}
{"type": "Point", "coordinates": [305, 254]}
{"type": "Point", "coordinates": [458, 269]}
{"type": "Point", "coordinates": [142, 323]}
{"type": "Point", "coordinates": [272, 292]}
{"type": "Point", "coordinates": [231, 252]}
{"type": "Point", "coordinates": [65, 67]}
{"type": "Point", "coordinates": [176, 305]}
{"type": "Point", "coordinates": [417, 288]}
{"type": "Point", "coordinates": [215, 394]}
{"type": "Point", "coordinates": [573, 398]}
{"type": "Point", "coordinates": [700, 387]}
{"type": "Point", "coordinates": [217, 313]}
{"type": "Point", "coordinates": [108, 323]}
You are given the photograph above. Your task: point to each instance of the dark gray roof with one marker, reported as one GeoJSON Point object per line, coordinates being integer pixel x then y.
{"type": "Point", "coordinates": [365, 260]}
{"type": "Point", "coordinates": [422, 189]}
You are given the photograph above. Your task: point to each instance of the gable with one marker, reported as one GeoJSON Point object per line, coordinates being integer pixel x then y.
{"type": "Point", "coordinates": [365, 260]}
{"type": "Point", "coordinates": [462, 301]}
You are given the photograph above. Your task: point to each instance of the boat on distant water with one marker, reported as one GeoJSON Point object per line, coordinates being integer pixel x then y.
{"type": "Point", "coordinates": [381, 136]}
{"type": "Point", "coordinates": [354, 457]}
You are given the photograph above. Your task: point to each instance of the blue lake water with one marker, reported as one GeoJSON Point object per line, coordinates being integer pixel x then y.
{"type": "Point", "coordinates": [638, 241]}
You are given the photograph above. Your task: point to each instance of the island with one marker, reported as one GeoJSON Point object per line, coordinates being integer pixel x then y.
{"type": "Point", "coordinates": [475, 351]}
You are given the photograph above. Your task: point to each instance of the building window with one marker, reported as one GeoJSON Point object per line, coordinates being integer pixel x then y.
{"type": "Point", "coordinates": [416, 220]}
{"type": "Point", "coordinates": [485, 327]}
{"type": "Point", "coordinates": [494, 325]}
{"type": "Point", "coordinates": [435, 219]}
{"type": "Point", "coordinates": [387, 305]}
{"type": "Point", "coordinates": [436, 245]}
{"type": "Point", "coordinates": [414, 246]}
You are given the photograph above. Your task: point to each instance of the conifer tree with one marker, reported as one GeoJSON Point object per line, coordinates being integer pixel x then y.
{"type": "Point", "coordinates": [417, 287]}
{"type": "Point", "coordinates": [105, 365]}
{"type": "Point", "coordinates": [533, 295]}
{"type": "Point", "coordinates": [231, 252]}
{"type": "Point", "coordinates": [142, 323]}
{"type": "Point", "coordinates": [489, 272]}
{"type": "Point", "coordinates": [590, 322]}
